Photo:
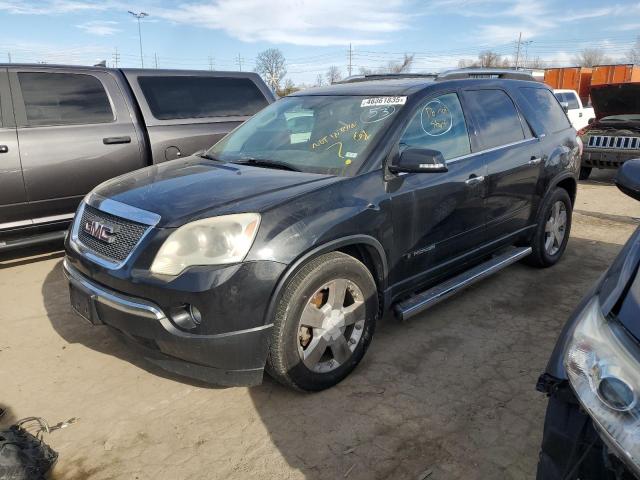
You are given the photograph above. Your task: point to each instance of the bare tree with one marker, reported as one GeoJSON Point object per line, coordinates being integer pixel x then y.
{"type": "Point", "coordinates": [319, 80]}
{"type": "Point", "coordinates": [486, 59]}
{"type": "Point", "coordinates": [401, 67]}
{"type": "Point", "coordinates": [633, 56]}
{"type": "Point", "coordinates": [590, 57]}
{"type": "Point", "coordinates": [333, 74]}
{"type": "Point", "coordinates": [271, 65]}
{"type": "Point", "coordinates": [288, 88]}
{"type": "Point", "coordinates": [536, 62]}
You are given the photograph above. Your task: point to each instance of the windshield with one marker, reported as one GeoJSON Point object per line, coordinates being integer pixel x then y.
{"type": "Point", "coordinates": [317, 134]}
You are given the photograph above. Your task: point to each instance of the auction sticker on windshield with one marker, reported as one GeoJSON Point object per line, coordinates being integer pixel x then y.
{"type": "Point", "coordinates": [378, 101]}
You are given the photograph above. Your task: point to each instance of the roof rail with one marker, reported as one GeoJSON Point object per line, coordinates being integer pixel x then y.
{"type": "Point", "coordinates": [385, 76]}
{"type": "Point", "coordinates": [465, 73]}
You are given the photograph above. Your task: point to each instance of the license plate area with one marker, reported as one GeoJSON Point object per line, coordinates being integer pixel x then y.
{"type": "Point", "coordinates": [83, 304]}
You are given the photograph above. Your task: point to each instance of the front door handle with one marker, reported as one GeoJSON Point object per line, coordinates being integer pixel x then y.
{"type": "Point", "coordinates": [534, 160]}
{"type": "Point", "coordinates": [116, 140]}
{"type": "Point", "coordinates": [4, 149]}
{"type": "Point", "coordinates": [474, 180]}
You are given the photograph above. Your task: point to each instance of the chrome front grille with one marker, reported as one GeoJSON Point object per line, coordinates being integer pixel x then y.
{"type": "Point", "coordinates": [620, 143]}
{"type": "Point", "coordinates": [127, 234]}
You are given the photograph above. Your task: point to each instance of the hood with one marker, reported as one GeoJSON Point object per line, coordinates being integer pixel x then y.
{"type": "Point", "coordinates": [616, 99]}
{"type": "Point", "coordinates": [619, 292]}
{"type": "Point", "coordinates": [629, 313]}
{"type": "Point", "coordinates": [184, 190]}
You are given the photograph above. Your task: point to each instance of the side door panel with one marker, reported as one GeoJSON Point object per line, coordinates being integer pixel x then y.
{"type": "Point", "coordinates": [437, 216]}
{"type": "Point", "coordinates": [513, 157]}
{"type": "Point", "coordinates": [13, 196]}
{"type": "Point", "coordinates": [62, 163]}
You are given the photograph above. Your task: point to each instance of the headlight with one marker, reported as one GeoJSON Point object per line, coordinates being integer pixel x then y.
{"type": "Point", "coordinates": [212, 241]}
{"type": "Point", "coordinates": [603, 366]}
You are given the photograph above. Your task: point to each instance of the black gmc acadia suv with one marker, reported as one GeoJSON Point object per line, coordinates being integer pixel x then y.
{"type": "Point", "coordinates": [280, 246]}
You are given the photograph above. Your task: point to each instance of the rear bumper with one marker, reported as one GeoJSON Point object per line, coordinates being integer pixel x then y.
{"type": "Point", "coordinates": [606, 159]}
{"type": "Point", "coordinates": [232, 358]}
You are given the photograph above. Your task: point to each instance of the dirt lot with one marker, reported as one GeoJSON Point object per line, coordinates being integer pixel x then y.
{"type": "Point", "coordinates": [451, 392]}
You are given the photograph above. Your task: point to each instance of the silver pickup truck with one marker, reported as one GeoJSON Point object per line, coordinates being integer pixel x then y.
{"type": "Point", "coordinates": [64, 130]}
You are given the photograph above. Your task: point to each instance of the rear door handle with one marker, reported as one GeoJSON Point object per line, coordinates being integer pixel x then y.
{"type": "Point", "coordinates": [474, 180]}
{"type": "Point", "coordinates": [4, 149]}
{"type": "Point", "coordinates": [534, 160]}
{"type": "Point", "coordinates": [116, 140]}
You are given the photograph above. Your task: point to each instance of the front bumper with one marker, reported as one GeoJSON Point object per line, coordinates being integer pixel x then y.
{"type": "Point", "coordinates": [608, 158]}
{"type": "Point", "coordinates": [231, 358]}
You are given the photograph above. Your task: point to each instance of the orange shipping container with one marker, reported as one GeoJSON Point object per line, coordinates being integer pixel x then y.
{"type": "Point", "coordinates": [570, 78]}
{"type": "Point", "coordinates": [606, 74]}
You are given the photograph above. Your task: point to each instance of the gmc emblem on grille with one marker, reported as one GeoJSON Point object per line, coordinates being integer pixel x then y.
{"type": "Point", "coordinates": [104, 233]}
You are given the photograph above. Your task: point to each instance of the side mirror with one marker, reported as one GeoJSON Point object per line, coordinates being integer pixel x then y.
{"type": "Point", "coordinates": [419, 160]}
{"type": "Point", "coordinates": [590, 121]}
{"type": "Point", "coordinates": [628, 178]}
{"type": "Point", "coordinates": [565, 106]}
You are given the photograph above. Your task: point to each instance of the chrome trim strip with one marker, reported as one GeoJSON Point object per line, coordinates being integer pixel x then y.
{"type": "Point", "coordinates": [431, 297]}
{"type": "Point", "coordinates": [19, 223]}
{"type": "Point", "coordinates": [36, 221]}
{"type": "Point", "coordinates": [114, 208]}
{"type": "Point", "coordinates": [122, 210]}
{"type": "Point", "coordinates": [112, 299]}
{"type": "Point", "coordinates": [494, 149]}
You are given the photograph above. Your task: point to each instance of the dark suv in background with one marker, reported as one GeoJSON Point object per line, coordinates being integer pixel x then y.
{"type": "Point", "coordinates": [64, 130]}
{"type": "Point", "coordinates": [281, 246]}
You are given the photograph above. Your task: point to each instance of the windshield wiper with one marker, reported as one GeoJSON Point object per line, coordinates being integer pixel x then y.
{"type": "Point", "coordinates": [261, 162]}
{"type": "Point", "coordinates": [206, 156]}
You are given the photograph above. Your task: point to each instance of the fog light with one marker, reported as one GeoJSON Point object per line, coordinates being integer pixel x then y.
{"type": "Point", "coordinates": [616, 393]}
{"type": "Point", "coordinates": [186, 317]}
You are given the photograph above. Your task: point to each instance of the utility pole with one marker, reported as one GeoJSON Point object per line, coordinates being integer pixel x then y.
{"type": "Point", "coordinates": [518, 50]}
{"type": "Point", "coordinates": [116, 58]}
{"type": "Point", "coordinates": [138, 16]}
{"type": "Point", "coordinates": [350, 54]}
{"type": "Point", "coordinates": [9, 56]}
{"type": "Point", "coordinates": [155, 57]}
{"type": "Point", "coordinates": [210, 63]}
{"type": "Point", "coordinates": [240, 62]}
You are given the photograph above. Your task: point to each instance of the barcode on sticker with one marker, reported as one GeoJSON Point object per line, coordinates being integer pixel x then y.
{"type": "Point", "coordinates": [382, 101]}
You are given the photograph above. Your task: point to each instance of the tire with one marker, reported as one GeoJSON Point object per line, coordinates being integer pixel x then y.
{"type": "Point", "coordinates": [302, 356]}
{"type": "Point", "coordinates": [543, 256]}
{"type": "Point", "coordinates": [585, 172]}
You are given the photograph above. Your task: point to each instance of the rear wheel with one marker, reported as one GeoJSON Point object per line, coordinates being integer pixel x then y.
{"type": "Point", "coordinates": [324, 323]}
{"type": "Point", "coordinates": [585, 172]}
{"type": "Point", "coordinates": [552, 232]}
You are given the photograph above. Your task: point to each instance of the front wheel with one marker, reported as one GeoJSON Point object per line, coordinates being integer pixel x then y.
{"type": "Point", "coordinates": [585, 172]}
{"type": "Point", "coordinates": [552, 232]}
{"type": "Point", "coordinates": [324, 323]}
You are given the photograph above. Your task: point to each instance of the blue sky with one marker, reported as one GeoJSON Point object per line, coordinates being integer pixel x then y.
{"type": "Point", "coordinates": [313, 35]}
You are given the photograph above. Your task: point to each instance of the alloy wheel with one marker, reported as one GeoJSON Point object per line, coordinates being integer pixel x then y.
{"type": "Point", "coordinates": [556, 228]}
{"type": "Point", "coordinates": [331, 325]}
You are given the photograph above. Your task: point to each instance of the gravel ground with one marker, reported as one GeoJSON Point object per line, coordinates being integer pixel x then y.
{"type": "Point", "coordinates": [450, 394]}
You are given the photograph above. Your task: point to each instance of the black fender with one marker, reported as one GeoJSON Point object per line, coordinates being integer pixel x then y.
{"type": "Point", "coordinates": [381, 264]}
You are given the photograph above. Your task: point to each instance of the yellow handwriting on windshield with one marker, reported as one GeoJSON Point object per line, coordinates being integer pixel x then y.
{"type": "Point", "coordinates": [346, 127]}
{"type": "Point", "coordinates": [339, 149]}
{"type": "Point", "coordinates": [360, 136]}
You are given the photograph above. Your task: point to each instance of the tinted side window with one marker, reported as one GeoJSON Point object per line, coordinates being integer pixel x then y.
{"type": "Point", "coordinates": [571, 100]}
{"type": "Point", "coordinates": [196, 97]}
{"type": "Point", "coordinates": [545, 109]}
{"type": "Point", "coordinates": [439, 125]}
{"type": "Point", "coordinates": [64, 99]}
{"type": "Point", "coordinates": [496, 118]}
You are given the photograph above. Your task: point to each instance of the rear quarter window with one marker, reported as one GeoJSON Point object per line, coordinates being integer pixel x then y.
{"type": "Point", "coordinates": [543, 110]}
{"type": "Point", "coordinates": [175, 97]}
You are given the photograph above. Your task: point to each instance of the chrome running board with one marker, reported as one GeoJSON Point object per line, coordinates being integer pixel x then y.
{"type": "Point", "coordinates": [420, 302]}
